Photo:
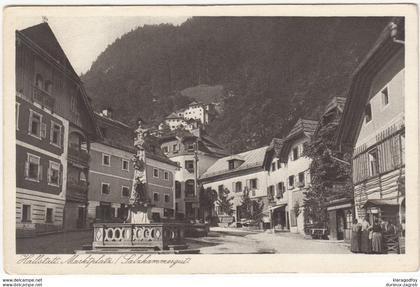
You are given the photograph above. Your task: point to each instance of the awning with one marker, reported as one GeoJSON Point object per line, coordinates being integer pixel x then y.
{"type": "Point", "coordinates": [381, 202]}
{"type": "Point", "coordinates": [277, 206]}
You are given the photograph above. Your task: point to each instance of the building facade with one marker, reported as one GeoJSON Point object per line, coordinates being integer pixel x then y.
{"type": "Point", "coordinates": [194, 152]}
{"type": "Point", "coordinates": [298, 173]}
{"type": "Point", "coordinates": [111, 172]}
{"type": "Point", "coordinates": [54, 125]}
{"type": "Point", "coordinates": [373, 129]}
{"type": "Point", "coordinates": [237, 173]}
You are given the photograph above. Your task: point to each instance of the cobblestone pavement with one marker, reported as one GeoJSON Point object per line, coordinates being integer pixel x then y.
{"type": "Point", "coordinates": [218, 241]}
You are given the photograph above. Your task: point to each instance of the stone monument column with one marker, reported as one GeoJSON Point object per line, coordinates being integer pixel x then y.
{"type": "Point", "coordinates": [140, 207]}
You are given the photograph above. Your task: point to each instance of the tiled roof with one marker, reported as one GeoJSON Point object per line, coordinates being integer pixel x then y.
{"type": "Point", "coordinates": [253, 158]}
{"type": "Point", "coordinates": [117, 134]}
{"type": "Point", "coordinates": [174, 116]}
{"type": "Point", "coordinates": [306, 126]}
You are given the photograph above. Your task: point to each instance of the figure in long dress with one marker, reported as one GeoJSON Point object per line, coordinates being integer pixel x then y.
{"type": "Point", "coordinates": [139, 204]}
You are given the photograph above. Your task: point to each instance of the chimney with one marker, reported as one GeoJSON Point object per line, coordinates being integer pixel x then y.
{"type": "Point", "coordinates": [107, 112]}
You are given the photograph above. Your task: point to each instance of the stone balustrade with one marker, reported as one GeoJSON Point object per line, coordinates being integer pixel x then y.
{"type": "Point", "coordinates": [155, 236]}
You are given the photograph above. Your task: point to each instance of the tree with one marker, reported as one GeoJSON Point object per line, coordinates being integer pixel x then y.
{"type": "Point", "coordinates": [251, 209]}
{"type": "Point", "coordinates": [330, 173]}
{"type": "Point", "coordinates": [207, 197]}
{"type": "Point", "coordinates": [225, 202]}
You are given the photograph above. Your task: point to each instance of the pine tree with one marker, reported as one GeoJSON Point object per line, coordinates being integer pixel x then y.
{"type": "Point", "coordinates": [207, 197]}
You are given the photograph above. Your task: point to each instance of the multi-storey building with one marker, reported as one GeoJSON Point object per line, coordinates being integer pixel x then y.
{"type": "Point", "coordinates": [235, 173]}
{"type": "Point", "coordinates": [277, 192]}
{"type": "Point", "coordinates": [373, 129]}
{"type": "Point", "coordinates": [197, 111]}
{"type": "Point", "coordinates": [54, 124]}
{"type": "Point", "coordinates": [297, 165]}
{"type": "Point", "coordinates": [173, 121]}
{"type": "Point", "coordinates": [111, 172]}
{"type": "Point", "coordinates": [194, 152]}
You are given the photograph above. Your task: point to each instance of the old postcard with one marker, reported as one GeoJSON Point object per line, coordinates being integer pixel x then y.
{"type": "Point", "coordinates": [211, 139]}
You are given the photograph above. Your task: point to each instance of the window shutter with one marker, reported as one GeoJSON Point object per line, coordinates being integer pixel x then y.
{"type": "Point", "coordinates": [51, 132]}
{"type": "Point", "coordinates": [62, 136]}
{"type": "Point", "coordinates": [248, 185]}
{"type": "Point", "coordinates": [49, 175]}
{"type": "Point", "coordinates": [30, 122]}
{"type": "Point", "coordinates": [39, 172]}
{"type": "Point", "coordinates": [43, 130]}
{"type": "Point", "coordinates": [233, 186]}
{"type": "Point", "coordinates": [256, 183]}
{"type": "Point", "coordinates": [26, 169]}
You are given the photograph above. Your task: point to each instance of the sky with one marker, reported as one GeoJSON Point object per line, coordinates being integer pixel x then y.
{"type": "Point", "coordinates": [84, 38]}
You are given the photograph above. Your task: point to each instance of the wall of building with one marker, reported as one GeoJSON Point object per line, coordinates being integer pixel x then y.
{"type": "Point", "coordinates": [230, 181]}
{"type": "Point", "coordinates": [385, 133]}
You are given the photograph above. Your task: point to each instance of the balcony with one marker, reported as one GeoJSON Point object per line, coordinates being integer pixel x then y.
{"type": "Point", "coordinates": [43, 98]}
{"type": "Point", "coordinates": [77, 191]}
{"type": "Point", "coordinates": [75, 154]}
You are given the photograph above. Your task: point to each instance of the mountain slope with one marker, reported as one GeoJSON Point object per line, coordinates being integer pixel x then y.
{"type": "Point", "coordinates": [277, 69]}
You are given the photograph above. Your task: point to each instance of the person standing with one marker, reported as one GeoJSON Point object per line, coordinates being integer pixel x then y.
{"type": "Point", "coordinates": [355, 236]}
{"type": "Point", "coordinates": [365, 244]}
{"type": "Point", "coordinates": [377, 237]}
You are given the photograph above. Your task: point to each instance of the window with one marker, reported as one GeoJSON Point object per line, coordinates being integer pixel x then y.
{"type": "Point", "coordinates": [295, 153]}
{"type": "Point", "coordinates": [273, 166]}
{"type": "Point", "coordinates": [48, 87]}
{"type": "Point", "coordinates": [54, 173]}
{"type": "Point", "coordinates": [17, 106]}
{"type": "Point", "coordinates": [253, 183]}
{"type": "Point", "coordinates": [166, 198]}
{"type": "Point", "coordinates": [385, 97]}
{"type": "Point", "coordinates": [49, 215]}
{"type": "Point", "coordinates": [166, 175]}
{"type": "Point", "coordinates": [33, 169]}
{"type": "Point", "coordinates": [368, 113]}
{"type": "Point", "coordinates": [291, 181]}
{"type": "Point", "coordinates": [26, 213]}
{"type": "Point", "coordinates": [231, 164]}
{"type": "Point", "coordinates": [125, 191]}
{"type": "Point", "coordinates": [103, 131]}
{"type": "Point", "coordinates": [373, 162]}
{"type": "Point", "coordinates": [190, 147]}
{"type": "Point", "coordinates": [189, 165]}
{"type": "Point", "coordinates": [177, 189]}
{"type": "Point", "coordinates": [176, 206]}
{"type": "Point", "coordinates": [238, 186]}
{"type": "Point", "coordinates": [301, 177]}
{"type": "Point", "coordinates": [155, 196]}
{"type": "Point", "coordinates": [280, 189]}
{"type": "Point", "coordinates": [175, 148]}
{"type": "Point", "coordinates": [105, 188]}
{"type": "Point", "coordinates": [106, 159]}
{"type": "Point", "coordinates": [270, 192]}
{"type": "Point", "coordinates": [39, 81]}
{"type": "Point", "coordinates": [155, 173]}
{"type": "Point", "coordinates": [278, 164]}
{"type": "Point", "coordinates": [165, 149]}
{"type": "Point", "coordinates": [125, 165]}
{"type": "Point", "coordinates": [36, 127]}
{"type": "Point", "coordinates": [189, 188]}
{"type": "Point", "coordinates": [73, 103]}
{"type": "Point", "coordinates": [55, 134]}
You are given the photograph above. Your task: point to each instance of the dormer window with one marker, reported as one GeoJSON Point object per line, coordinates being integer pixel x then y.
{"type": "Point", "coordinates": [231, 164]}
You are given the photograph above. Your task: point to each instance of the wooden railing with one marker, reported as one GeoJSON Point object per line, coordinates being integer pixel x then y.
{"type": "Point", "coordinates": [43, 98]}
{"type": "Point", "coordinates": [78, 155]}
{"type": "Point", "coordinates": [155, 236]}
{"type": "Point", "coordinates": [77, 191]}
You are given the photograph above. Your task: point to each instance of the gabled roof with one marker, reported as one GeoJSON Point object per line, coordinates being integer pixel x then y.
{"type": "Point", "coordinates": [384, 49]}
{"type": "Point", "coordinates": [302, 127]}
{"type": "Point", "coordinates": [42, 40]}
{"type": "Point", "coordinates": [272, 151]}
{"type": "Point", "coordinates": [44, 37]}
{"type": "Point", "coordinates": [117, 134]}
{"type": "Point", "coordinates": [173, 116]}
{"type": "Point", "coordinates": [252, 159]}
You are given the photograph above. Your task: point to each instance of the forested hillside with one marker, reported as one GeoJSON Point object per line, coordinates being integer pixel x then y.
{"type": "Point", "coordinates": [278, 69]}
